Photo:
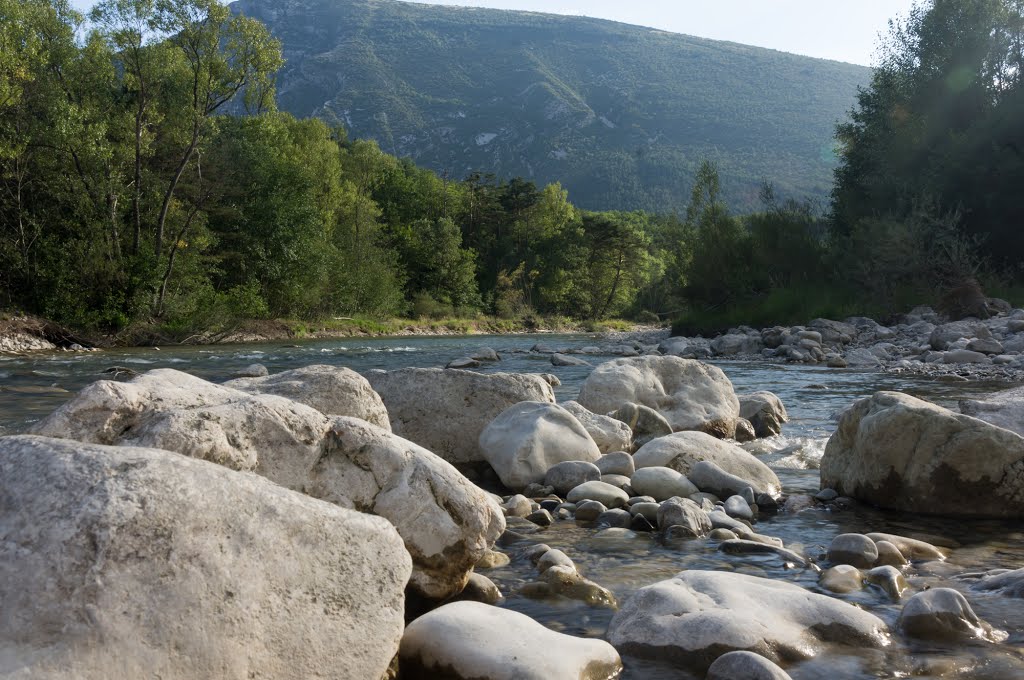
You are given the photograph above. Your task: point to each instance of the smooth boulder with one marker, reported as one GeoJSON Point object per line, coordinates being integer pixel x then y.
{"type": "Point", "coordinates": [944, 614]}
{"type": "Point", "coordinates": [901, 453]}
{"type": "Point", "coordinates": [469, 641]}
{"type": "Point", "coordinates": [697, 616]}
{"type": "Point", "coordinates": [608, 433]}
{"type": "Point", "coordinates": [120, 563]}
{"type": "Point", "coordinates": [681, 451]}
{"type": "Point", "coordinates": [332, 390]}
{"type": "Point", "coordinates": [745, 666]}
{"type": "Point", "coordinates": [527, 439]}
{"type": "Point", "coordinates": [445, 411]}
{"type": "Point", "coordinates": [690, 395]}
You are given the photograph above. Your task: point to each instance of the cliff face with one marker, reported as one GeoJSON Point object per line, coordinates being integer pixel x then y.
{"type": "Point", "coordinates": [621, 115]}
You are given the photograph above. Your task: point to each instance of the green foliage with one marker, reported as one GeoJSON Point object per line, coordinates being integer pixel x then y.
{"type": "Point", "coordinates": [940, 124]}
{"type": "Point", "coordinates": [620, 115]}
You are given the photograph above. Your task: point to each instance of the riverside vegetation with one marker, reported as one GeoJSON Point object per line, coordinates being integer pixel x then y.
{"type": "Point", "coordinates": [130, 197]}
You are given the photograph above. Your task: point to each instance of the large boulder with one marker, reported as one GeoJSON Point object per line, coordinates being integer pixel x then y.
{"type": "Point", "coordinates": [608, 433]}
{"type": "Point", "coordinates": [123, 563]}
{"type": "Point", "coordinates": [765, 412]}
{"type": "Point", "coordinates": [690, 395]}
{"type": "Point", "coordinates": [446, 410]}
{"type": "Point", "coordinates": [683, 450]}
{"type": "Point", "coordinates": [332, 390]}
{"type": "Point", "coordinates": [901, 453]}
{"type": "Point", "coordinates": [470, 641]}
{"type": "Point", "coordinates": [1004, 409]}
{"type": "Point", "coordinates": [528, 438]}
{"type": "Point", "coordinates": [697, 616]}
{"type": "Point", "coordinates": [732, 344]}
{"type": "Point", "coordinates": [448, 524]}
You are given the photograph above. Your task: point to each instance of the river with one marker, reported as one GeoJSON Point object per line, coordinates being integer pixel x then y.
{"type": "Point", "coordinates": [31, 387]}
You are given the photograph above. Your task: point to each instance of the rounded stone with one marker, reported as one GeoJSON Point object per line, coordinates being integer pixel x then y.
{"type": "Point", "coordinates": [854, 549]}
{"type": "Point", "coordinates": [736, 506]}
{"type": "Point", "coordinates": [606, 494]}
{"type": "Point", "coordinates": [588, 511]}
{"type": "Point", "coordinates": [743, 665]}
{"type": "Point", "coordinates": [944, 614]}
{"type": "Point", "coordinates": [553, 558]}
{"type": "Point", "coordinates": [661, 483]}
{"type": "Point", "coordinates": [616, 463]}
{"type": "Point", "coordinates": [567, 475]}
{"type": "Point", "coordinates": [841, 579]}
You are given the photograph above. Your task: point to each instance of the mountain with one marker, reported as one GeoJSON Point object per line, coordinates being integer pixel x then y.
{"type": "Point", "coordinates": [621, 115]}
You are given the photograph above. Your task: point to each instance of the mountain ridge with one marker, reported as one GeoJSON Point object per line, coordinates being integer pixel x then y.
{"type": "Point", "coordinates": [622, 115]}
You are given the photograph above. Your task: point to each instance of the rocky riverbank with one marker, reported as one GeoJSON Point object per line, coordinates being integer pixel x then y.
{"type": "Point", "coordinates": [318, 522]}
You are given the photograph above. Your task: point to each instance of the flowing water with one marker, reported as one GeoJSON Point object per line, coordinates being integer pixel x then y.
{"type": "Point", "coordinates": [32, 387]}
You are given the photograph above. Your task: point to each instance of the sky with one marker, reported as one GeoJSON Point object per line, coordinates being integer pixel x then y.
{"type": "Point", "coordinates": [830, 29]}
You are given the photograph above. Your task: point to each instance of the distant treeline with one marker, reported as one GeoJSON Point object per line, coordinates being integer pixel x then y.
{"type": "Point", "coordinates": [127, 194]}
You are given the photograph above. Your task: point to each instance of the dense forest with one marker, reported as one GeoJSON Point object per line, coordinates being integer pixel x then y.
{"type": "Point", "coordinates": [620, 115]}
{"type": "Point", "coordinates": [146, 177]}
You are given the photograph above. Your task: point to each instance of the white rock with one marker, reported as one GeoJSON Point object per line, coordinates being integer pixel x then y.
{"type": "Point", "coordinates": [661, 483]}
{"type": "Point", "coordinates": [123, 563]}
{"type": "Point", "coordinates": [445, 411]}
{"type": "Point", "coordinates": [689, 394]}
{"type": "Point", "coordinates": [1004, 409]}
{"type": "Point", "coordinates": [606, 494]}
{"type": "Point", "coordinates": [608, 433]}
{"type": "Point", "coordinates": [697, 616]}
{"type": "Point", "coordinates": [899, 452]}
{"type": "Point", "coordinates": [528, 438]}
{"type": "Point", "coordinates": [616, 463]}
{"type": "Point", "coordinates": [681, 451]}
{"type": "Point", "coordinates": [745, 666]}
{"type": "Point", "coordinates": [447, 522]}
{"type": "Point", "coordinates": [469, 640]}
{"type": "Point", "coordinates": [332, 390]}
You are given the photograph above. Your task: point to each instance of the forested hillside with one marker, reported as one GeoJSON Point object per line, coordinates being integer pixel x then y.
{"type": "Point", "coordinates": [620, 115]}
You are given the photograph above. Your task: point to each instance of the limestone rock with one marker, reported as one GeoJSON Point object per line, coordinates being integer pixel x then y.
{"type": "Point", "coordinates": [445, 411]}
{"type": "Point", "coordinates": [469, 640]}
{"type": "Point", "coordinates": [527, 439]}
{"type": "Point", "coordinates": [332, 390]}
{"type": "Point", "coordinates": [689, 394]}
{"type": "Point", "coordinates": [902, 453]}
{"type": "Point", "coordinates": [765, 412]}
{"type": "Point", "coordinates": [1004, 409]}
{"type": "Point", "coordinates": [123, 563]}
{"type": "Point", "coordinates": [644, 422]}
{"type": "Point", "coordinates": [698, 616]}
{"type": "Point", "coordinates": [447, 522]}
{"type": "Point", "coordinates": [567, 475]}
{"type": "Point", "coordinates": [661, 483]}
{"type": "Point", "coordinates": [608, 433]}
{"type": "Point", "coordinates": [683, 450]}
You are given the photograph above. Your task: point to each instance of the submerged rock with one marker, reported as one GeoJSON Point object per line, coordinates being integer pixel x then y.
{"type": "Point", "coordinates": [469, 640]}
{"type": "Point", "coordinates": [902, 453]}
{"type": "Point", "coordinates": [123, 563]}
{"type": "Point", "coordinates": [744, 666]}
{"type": "Point", "coordinates": [944, 614]}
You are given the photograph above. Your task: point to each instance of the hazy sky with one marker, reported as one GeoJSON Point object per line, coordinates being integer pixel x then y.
{"type": "Point", "coordinates": [831, 29]}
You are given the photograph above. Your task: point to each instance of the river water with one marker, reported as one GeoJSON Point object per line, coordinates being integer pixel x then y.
{"type": "Point", "coordinates": [31, 387]}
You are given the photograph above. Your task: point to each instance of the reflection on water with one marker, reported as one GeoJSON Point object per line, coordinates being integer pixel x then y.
{"type": "Point", "coordinates": [32, 387]}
